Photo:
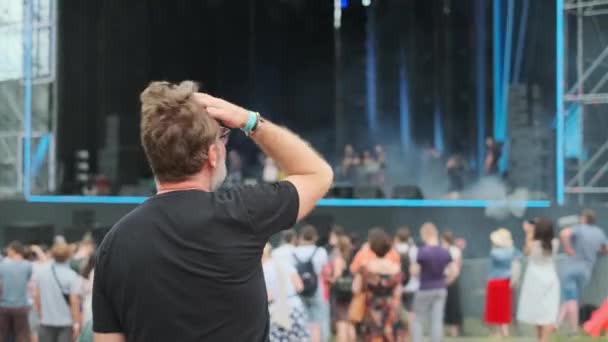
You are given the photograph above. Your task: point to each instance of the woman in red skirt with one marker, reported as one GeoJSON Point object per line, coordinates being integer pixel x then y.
{"type": "Point", "coordinates": [502, 278]}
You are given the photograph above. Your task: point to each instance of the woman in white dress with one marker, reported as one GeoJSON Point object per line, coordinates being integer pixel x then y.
{"type": "Point", "coordinates": [540, 292]}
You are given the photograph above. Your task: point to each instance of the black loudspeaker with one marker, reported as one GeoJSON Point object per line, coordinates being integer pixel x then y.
{"type": "Point", "coordinates": [407, 192]}
{"type": "Point", "coordinates": [341, 191]}
{"type": "Point", "coordinates": [30, 234]}
{"type": "Point", "coordinates": [368, 192]}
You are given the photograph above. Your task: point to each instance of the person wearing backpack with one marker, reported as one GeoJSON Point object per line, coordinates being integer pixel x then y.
{"type": "Point", "coordinates": [309, 261]}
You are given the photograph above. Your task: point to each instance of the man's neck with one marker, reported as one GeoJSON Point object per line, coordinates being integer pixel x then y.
{"type": "Point", "coordinates": [181, 186]}
{"type": "Point", "coordinates": [431, 243]}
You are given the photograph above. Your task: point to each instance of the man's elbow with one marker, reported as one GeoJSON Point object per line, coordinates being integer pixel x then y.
{"type": "Point", "coordinates": [328, 176]}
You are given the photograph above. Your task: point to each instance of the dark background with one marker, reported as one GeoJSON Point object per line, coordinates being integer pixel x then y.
{"type": "Point", "coordinates": [284, 59]}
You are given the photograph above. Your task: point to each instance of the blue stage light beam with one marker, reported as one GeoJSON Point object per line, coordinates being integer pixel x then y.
{"type": "Point", "coordinates": [404, 104]}
{"type": "Point", "coordinates": [502, 133]}
{"type": "Point", "coordinates": [480, 36]}
{"type": "Point", "coordinates": [559, 100]}
{"type": "Point", "coordinates": [370, 71]}
{"type": "Point", "coordinates": [438, 129]}
{"type": "Point", "coordinates": [521, 40]}
{"type": "Point", "coordinates": [572, 133]}
{"type": "Point", "coordinates": [496, 64]}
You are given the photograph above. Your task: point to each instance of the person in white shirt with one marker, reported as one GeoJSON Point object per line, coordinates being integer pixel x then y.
{"type": "Point", "coordinates": [316, 306]}
{"type": "Point", "coordinates": [287, 246]}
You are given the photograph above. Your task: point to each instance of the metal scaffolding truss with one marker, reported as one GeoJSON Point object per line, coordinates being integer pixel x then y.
{"type": "Point", "coordinates": [587, 88]}
{"type": "Point", "coordinates": [20, 21]}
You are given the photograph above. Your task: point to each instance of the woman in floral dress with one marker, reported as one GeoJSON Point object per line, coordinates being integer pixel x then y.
{"type": "Point", "coordinates": [380, 281]}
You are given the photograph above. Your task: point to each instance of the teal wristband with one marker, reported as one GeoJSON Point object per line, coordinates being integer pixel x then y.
{"type": "Point", "coordinates": [251, 122]}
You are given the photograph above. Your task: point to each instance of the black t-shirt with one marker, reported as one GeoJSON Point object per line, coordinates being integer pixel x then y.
{"type": "Point", "coordinates": [186, 266]}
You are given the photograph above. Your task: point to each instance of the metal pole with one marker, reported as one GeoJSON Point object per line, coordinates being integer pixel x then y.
{"type": "Point", "coordinates": [580, 81]}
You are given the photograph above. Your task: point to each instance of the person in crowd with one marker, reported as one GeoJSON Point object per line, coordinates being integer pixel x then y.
{"type": "Point", "coordinates": [405, 246]}
{"type": "Point", "coordinates": [350, 161]}
{"type": "Point", "coordinates": [380, 280]}
{"type": "Point", "coordinates": [309, 261]}
{"type": "Point", "coordinates": [287, 246]}
{"type": "Point", "coordinates": [502, 278]}
{"type": "Point", "coordinates": [379, 177]}
{"type": "Point", "coordinates": [432, 264]}
{"type": "Point", "coordinates": [57, 290]}
{"type": "Point", "coordinates": [335, 233]}
{"type": "Point", "coordinates": [540, 291]}
{"type": "Point", "coordinates": [84, 252]}
{"type": "Point", "coordinates": [582, 243]}
{"type": "Point", "coordinates": [88, 275]}
{"type": "Point", "coordinates": [39, 255]}
{"type": "Point", "coordinates": [288, 318]}
{"type": "Point", "coordinates": [205, 245]}
{"type": "Point", "coordinates": [341, 289]}
{"type": "Point", "coordinates": [15, 273]}
{"type": "Point", "coordinates": [455, 167]}
{"type": "Point", "coordinates": [327, 274]}
{"type": "Point", "coordinates": [598, 323]}
{"type": "Point", "coordinates": [493, 154]}
{"type": "Point", "coordinates": [380, 156]}
{"type": "Point", "coordinates": [453, 308]}
{"type": "Point", "coordinates": [235, 170]}
{"type": "Point", "coordinates": [369, 168]}
{"type": "Point", "coordinates": [365, 254]}
{"type": "Point", "coordinates": [271, 172]}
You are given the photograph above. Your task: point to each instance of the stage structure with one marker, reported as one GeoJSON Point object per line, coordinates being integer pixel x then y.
{"type": "Point", "coordinates": [27, 28]}
{"type": "Point", "coordinates": [585, 96]}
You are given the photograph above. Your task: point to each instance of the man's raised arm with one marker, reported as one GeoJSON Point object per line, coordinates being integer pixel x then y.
{"type": "Point", "coordinates": [306, 169]}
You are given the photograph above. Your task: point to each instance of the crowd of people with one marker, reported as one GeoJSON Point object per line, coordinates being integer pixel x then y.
{"type": "Point", "coordinates": [385, 289]}
{"type": "Point", "coordinates": [390, 289]}
{"type": "Point", "coordinates": [46, 292]}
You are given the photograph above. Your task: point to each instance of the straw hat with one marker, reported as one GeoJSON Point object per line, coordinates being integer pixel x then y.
{"type": "Point", "coordinates": [501, 238]}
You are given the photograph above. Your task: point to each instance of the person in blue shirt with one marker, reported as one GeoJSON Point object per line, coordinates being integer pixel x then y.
{"type": "Point", "coordinates": [15, 273]}
{"type": "Point", "coordinates": [582, 243]}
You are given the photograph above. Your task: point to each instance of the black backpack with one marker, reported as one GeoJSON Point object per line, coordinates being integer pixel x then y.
{"type": "Point", "coordinates": [343, 287]}
{"type": "Point", "coordinates": [306, 270]}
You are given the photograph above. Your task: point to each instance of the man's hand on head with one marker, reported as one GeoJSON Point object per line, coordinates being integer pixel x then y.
{"type": "Point", "coordinates": [229, 114]}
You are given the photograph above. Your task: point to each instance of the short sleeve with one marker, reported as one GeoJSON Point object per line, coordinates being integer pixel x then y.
{"type": "Point", "coordinates": [321, 259]}
{"type": "Point", "coordinates": [105, 319]}
{"type": "Point", "coordinates": [576, 231]}
{"type": "Point", "coordinates": [419, 257]}
{"type": "Point", "coordinates": [76, 285]}
{"type": "Point", "coordinates": [271, 207]}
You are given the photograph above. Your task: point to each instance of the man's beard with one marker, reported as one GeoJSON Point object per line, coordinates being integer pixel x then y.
{"type": "Point", "coordinates": [218, 177]}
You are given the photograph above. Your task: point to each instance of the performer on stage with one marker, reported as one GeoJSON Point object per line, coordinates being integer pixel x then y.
{"type": "Point", "coordinates": [185, 265]}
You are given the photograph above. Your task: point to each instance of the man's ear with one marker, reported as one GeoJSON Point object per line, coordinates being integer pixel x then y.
{"type": "Point", "coordinates": [213, 155]}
